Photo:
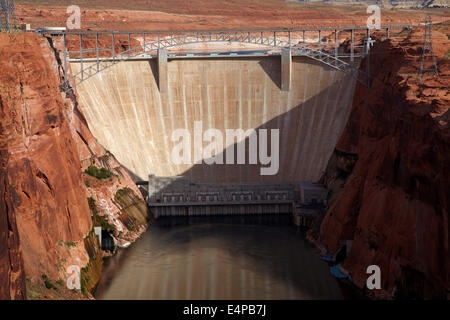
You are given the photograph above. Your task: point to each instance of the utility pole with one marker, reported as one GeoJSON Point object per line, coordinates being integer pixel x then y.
{"type": "Point", "coordinates": [7, 15]}
{"type": "Point", "coordinates": [427, 51]}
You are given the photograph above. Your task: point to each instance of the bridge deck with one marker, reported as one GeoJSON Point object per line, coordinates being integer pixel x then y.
{"type": "Point", "coordinates": [198, 56]}
{"type": "Point", "coordinates": [279, 39]}
{"type": "Point", "coordinates": [346, 28]}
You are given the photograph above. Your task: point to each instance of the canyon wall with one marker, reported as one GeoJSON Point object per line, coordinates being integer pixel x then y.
{"type": "Point", "coordinates": [45, 146]}
{"type": "Point", "coordinates": [131, 118]}
{"type": "Point", "coordinates": [389, 175]}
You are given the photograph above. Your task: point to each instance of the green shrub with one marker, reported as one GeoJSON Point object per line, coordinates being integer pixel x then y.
{"type": "Point", "coordinates": [100, 221]}
{"type": "Point", "coordinates": [70, 244]}
{"type": "Point", "coordinates": [67, 243]}
{"type": "Point", "coordinates": [92, 205]}
{"type": "Point", "coordinates": [123, 192]}
{"type": "Point", "coordinates": [100, 174]}
{"type": "Point", "coordinates": [48, 283]}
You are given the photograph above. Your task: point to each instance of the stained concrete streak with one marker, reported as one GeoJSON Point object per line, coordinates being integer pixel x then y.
{"type": "Point", "coordinates": [128, 115]}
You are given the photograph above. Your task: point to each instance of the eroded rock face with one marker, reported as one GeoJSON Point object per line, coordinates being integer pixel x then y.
{"type": "Point", "coordinates": [394, 202]}
{"type": "Point", "coordinates": [102, 191]}
{"type": "Point", "coordinates": [12, 279]}
{"type": "Point", "coordinates": [42, 172]}
{"type": "Point", "coordinates": [44, 144]}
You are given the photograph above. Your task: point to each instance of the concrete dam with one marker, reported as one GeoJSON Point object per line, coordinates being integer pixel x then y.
{"type": "Point", "coordinates": [135, 119]}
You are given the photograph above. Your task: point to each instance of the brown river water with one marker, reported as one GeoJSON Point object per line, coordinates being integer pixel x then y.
{"type": "Point", "coordinates": [220, 258]}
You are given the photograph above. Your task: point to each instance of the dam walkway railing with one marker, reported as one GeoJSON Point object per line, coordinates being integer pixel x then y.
{"type": "Point", "coordinates": [221, 208]}
{"type": "Point", "coordinates": [101, 50]}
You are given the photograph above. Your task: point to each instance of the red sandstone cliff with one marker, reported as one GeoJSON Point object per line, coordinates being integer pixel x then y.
{"type": "Point", "coordinates": [390, 176]}
{"type": "Point", "coordinates": [45, 146]}
{"type": "Point", "coordinates": [117, 198]}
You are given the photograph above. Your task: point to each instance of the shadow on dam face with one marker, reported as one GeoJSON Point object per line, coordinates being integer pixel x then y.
{"type": "Point", "coordinates": [128, 115]}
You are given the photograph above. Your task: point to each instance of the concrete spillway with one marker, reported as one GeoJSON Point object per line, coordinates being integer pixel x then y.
{"type": "Point", "coordinates": [131, 117]}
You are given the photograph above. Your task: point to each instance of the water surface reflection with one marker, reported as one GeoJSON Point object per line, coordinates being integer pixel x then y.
{"type": "Point", "coordinates": [219, 258]}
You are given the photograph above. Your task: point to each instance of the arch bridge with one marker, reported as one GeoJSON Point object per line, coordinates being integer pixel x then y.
{"type": "Point", "coordinates": [95, 54]}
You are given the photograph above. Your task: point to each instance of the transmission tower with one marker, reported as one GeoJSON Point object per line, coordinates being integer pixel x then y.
{"type": "Point", "coordinates": [428, 61]}
{"type": "Point", "coordinates": [7, 15]}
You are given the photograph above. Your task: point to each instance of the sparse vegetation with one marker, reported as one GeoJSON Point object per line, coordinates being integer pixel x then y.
{"type": "Point", "coordinates": [85, 278]}
{"type": "Point", "coordinates": [447, 55]}
{"type": "Point", "coordinates": [36, 290]}
{"type": "Point", "coordinates": [130, 224]}
{"type": "Point", "coordinates": [100, 174]}
{"type": "Point", "coordinates": [48, 283]}
{"type": "Point", "coordinates": [67, 243]}
{"type": "Point", "coordinates": [92, 206]}
{"type": "Point", "coordinates": [100, 221]}
{"type": "Point", "coordinates": [123, 192]}
{"type": "Point", "coordinates": [90, 274]}
{"type": "Point", "coordinates": [70, 244]}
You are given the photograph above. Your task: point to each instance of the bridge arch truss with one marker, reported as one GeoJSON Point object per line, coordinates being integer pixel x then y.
{"type": "Point", "coordinates": [89, 67]}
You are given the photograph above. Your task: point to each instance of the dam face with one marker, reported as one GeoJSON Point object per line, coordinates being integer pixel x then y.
{"type": "Point", "coordinates": [129, 114]}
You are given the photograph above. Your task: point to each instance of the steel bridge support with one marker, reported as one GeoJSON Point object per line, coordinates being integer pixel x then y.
{"type": "Point", "coordinates": [320, 40]}
{"type": "Point", "coordinates": [352, 46]}
{"type": "Point", "coordinates": [163, 79]}
{"type": "Point", "coordinates": [81, 57]}
{"type": "Point", "coordinates": [336, 43]}
{"type": "Point", "coordinates": [286, 69]}
{"type": "Point", "coordinates": [367, 44]}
